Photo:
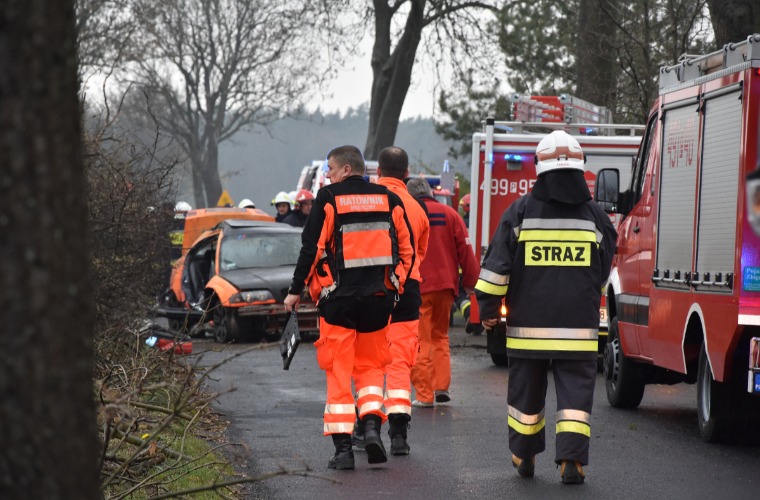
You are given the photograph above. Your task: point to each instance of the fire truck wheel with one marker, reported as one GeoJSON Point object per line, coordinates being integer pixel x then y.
{"type": "Point", "coordinates": [225, 323]}
{"type": "Point", "coordinates": [713, 403]}
{"type": "Point", "coordinates": [625, 387]}
{"type": "Point", "coordinates": [500, 359]}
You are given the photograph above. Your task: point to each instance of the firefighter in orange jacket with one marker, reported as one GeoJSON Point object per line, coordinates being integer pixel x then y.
{"type": "Point", "coordinates": [448, 250]}
{"type": "Point", "coordinates": [550, 255]}
{"type": "Point", "coordinates": [355, 256]}
{"type": "Point", "coordinates": [393, 167]}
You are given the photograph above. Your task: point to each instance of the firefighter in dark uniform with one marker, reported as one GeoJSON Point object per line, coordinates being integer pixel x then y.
{"type": "Point", "coordinates": [550, 256]}
{"type": "Point", "coordinates": [356, 254]}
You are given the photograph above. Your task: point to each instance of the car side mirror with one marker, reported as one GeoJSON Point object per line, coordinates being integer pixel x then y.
{"type": "Point", "coordinates": [607, 188]}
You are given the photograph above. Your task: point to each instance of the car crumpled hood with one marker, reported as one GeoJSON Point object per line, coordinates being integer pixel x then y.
{"type": "Point", "coordinates": [275, 279]}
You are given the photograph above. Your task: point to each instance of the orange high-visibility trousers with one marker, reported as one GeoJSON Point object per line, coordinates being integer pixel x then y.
{"type": "Point", "coordinates": [403, 345]}
{"type": "Point", "coordinates": [432, 371]}
{"type": "Point", "coordinates": [341, 353]}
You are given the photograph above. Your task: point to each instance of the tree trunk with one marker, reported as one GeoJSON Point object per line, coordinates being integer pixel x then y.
{"type": "Point", "coordinates": [594, 51]}
{"type": "Point", "coordinates": [391, 74]}
{"type": "Point", "coordinates": [47, 412]}
{"type": "Point", "coordinates": [734, 20]}
{"type": "Point", "coordinates": [198, 190]}
{"type": "Point", "coordinates": [212, 183]}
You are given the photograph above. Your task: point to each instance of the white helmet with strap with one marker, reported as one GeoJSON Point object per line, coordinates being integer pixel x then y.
{"type": "Point", "coordinates": [559, 150]}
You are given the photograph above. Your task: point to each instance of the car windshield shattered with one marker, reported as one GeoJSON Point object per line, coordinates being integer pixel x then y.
{"type": "Point", "coordinates": [247, 250]}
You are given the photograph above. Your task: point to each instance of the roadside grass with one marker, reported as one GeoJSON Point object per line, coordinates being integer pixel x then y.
{"type": "Point", "coordinates": [159, 437]}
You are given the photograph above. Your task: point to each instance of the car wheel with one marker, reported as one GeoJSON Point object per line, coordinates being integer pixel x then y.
{"type": "Point", "coordinates": [713, 404]}
{"type": "Point", "coordinates": [176, 325]}
{"type": "Point", "coordinates": [625, 387]}
{"type": "Point", "coordinates": [225, 325]}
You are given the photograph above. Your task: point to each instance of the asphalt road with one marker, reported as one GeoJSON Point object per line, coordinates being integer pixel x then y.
{"type": "Point", "coordinates": [459, 450]}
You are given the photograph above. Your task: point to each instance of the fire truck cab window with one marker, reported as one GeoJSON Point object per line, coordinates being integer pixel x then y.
{"type": "Point", "coordinates": [642, 161]}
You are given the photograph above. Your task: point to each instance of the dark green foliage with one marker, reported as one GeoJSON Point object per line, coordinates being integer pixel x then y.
{"type": "Point", "coordinates": [538, 40]}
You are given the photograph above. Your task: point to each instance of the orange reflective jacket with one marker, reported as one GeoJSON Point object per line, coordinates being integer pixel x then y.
{"type": "Point", "coordinates": [357, 240]}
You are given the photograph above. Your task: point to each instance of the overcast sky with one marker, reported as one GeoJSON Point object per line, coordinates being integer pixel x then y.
{"type": "Point", "coordinates": [352, 87]}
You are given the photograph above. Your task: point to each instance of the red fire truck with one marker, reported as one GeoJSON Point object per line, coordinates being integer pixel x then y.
{"type": "Point", "coordinates": [684, 293]}
{"type": "Point", "coordinates": [502, 159]}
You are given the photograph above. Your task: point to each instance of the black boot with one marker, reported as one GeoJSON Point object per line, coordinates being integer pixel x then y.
{"type": "Point", "coordinates": [399, 423]}
{"type": "Point", "coordinates": [357, 437]}
{"type": "Point", "coordinates": [373, 444]}
{"type": "Point", "coordinates": [344, 455]}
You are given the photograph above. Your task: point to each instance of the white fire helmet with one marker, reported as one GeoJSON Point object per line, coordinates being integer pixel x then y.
{"type": "Point", "coordinates": [282, 197]}
{"type": "Point", "coordinates": [559, 150]}
{"type": "Point", "coordinates": [246, 203]}
{"type": "Point", "coordinates": [182, 206]}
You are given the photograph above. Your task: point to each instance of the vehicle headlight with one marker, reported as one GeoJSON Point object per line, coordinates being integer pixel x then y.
{"type": "Point", "coordinates": [252, 296]}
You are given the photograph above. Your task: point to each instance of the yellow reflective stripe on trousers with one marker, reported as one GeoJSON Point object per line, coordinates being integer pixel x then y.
{"type": "Point", "coordinates": [576, 427]}
{"type": "Point", "coordinates": [525, 429]}
{"type": "Point", "coordinates": [552, 344]}
{"type": "Point", "coordinates": [338, 428]}
{"type": "Point", "coordinates": [370, 389]}
{"type": "Point", "coordinates": [339, 409]}
{"type": "Point", "coordinates": [490, 288]}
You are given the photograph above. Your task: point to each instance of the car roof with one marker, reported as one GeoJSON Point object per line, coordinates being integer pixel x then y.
{"type": "Point", "coordinates": [231, 225]}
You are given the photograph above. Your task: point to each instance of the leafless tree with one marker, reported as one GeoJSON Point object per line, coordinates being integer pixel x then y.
{"type": "Point", "coordinates": [103, 31]}
{"type": "Point", "coordinates": [46, 364]}
{"type": "Point", "coordinates": [213, 67]}
{"type": "Point", "coordinates": [734, 20]}
{"type": "Point", "coordinates": [453, 26]}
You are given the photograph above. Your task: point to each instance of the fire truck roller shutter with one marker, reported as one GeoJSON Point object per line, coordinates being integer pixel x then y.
{"type": "Point", "coordinates": [720, 180]}
{"type": "Point", "coordinates": [678, 179]}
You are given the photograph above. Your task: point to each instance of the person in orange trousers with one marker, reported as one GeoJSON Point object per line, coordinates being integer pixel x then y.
{"type": "Point", "coordinates": [393, 168]}
{"type": "Point", "coordinates": [355, 263]}
{"type": "Point", "coordinates": [448, 250]}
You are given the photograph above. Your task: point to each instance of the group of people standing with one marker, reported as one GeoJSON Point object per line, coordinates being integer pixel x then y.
{"type": "Point", "coordinates": [384, 267]}
{"type": "Point", "coordinates": [383, 261]}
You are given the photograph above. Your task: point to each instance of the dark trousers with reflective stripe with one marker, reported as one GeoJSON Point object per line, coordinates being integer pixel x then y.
{"type": "Point", "coordinates": [574, 382]}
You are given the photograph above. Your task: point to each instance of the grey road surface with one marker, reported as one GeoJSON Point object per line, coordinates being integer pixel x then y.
{"type": "Point", "coordinates": [459, 450]}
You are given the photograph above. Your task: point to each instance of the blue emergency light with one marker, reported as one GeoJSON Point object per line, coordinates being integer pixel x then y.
{"type": "Point", "coordinates": [513, 157]}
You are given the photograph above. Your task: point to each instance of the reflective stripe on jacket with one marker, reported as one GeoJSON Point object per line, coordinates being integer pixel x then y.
{"type": "Point", "coordinates": [356, 241]}
{"type": "Point", "coordinates": [550, 260]}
